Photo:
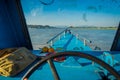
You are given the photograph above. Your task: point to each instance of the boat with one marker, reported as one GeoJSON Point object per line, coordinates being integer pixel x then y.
{"type": "Point", "coordinates": [73, 59]}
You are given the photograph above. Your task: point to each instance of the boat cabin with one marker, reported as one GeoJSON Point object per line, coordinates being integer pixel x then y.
{"type": "Point", "coordinates": [65, 55]}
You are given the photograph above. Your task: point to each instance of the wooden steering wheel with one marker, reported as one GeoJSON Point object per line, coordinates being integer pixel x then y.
{"type": "Point", "coordinates": [69, 53]}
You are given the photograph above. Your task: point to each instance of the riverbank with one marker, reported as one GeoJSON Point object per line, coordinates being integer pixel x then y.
{"type": "Point", "coordinates": [96, 28]}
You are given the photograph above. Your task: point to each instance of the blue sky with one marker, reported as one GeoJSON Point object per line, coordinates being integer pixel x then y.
{"type": "Point", "coordinates": [72, 12]}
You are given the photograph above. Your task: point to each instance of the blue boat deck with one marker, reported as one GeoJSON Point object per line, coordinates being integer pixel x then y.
{"type": "Point", "coordinates": [69, 42]}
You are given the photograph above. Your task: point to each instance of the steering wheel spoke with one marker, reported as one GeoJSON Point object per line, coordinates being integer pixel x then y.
{"type": "Point", "coordinates": [53, 69]}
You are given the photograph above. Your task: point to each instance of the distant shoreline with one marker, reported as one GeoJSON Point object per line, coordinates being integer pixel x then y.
{"type": "Point", "coordinates": [98, 28]}
{"type": "Point", "coordinates": [83, 28]}
{"type": "Point", "coordinates": [40, 26]}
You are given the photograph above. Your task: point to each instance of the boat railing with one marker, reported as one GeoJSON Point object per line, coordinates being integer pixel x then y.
{"type": "Point", "coordinates": [56, 36]}
{"type": "Point", "coordinates": [88, 42]}
{"type": "Point", "coordinates": [85, 40]}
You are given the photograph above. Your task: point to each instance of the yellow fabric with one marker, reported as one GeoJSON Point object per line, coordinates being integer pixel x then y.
{"type": "Point", "coordinates": [11, 63]}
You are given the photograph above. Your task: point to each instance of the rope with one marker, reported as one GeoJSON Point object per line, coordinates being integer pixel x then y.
{"type": "Point", "coordinates": [12, 62]}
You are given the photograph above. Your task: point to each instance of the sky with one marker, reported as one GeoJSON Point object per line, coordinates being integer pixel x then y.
{"type": "Point", "coordinates": [102, 13]}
